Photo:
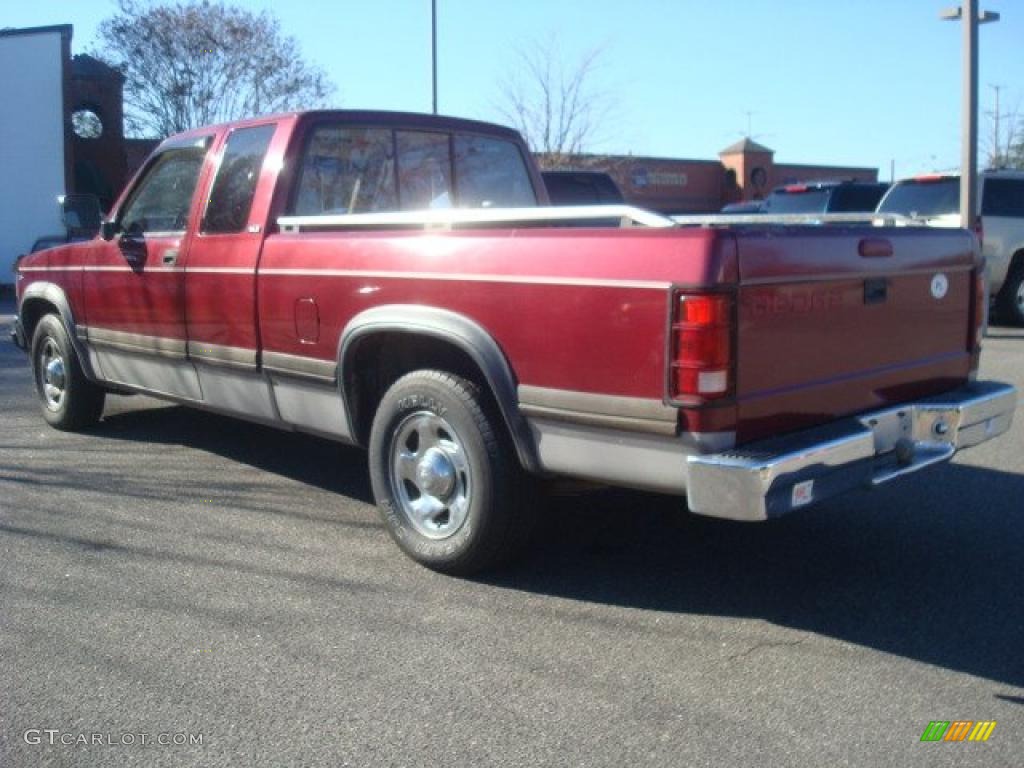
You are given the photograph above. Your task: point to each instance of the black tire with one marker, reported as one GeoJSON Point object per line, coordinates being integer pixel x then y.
{"type": "Point", "coordinates": [1010, 302]}
{"type": "Point", "coordinates": [68, 399]}
{"type": "Point", "coordinates": [445, 476]}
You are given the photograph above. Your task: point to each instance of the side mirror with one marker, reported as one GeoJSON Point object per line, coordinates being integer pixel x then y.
{"type": "Point", "coordinates": [109, 230]}
{"type": "Point", "coordinates": [80, 213]}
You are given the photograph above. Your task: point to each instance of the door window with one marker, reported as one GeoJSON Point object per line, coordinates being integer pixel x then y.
{"type": "Point", "coordinates": [162, 200]}
{"type": "Point", "coordinates": [235, 186]}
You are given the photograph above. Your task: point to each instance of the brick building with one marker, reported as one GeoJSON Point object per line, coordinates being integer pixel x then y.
{"type": "Point", "coordinates": [745, 170]}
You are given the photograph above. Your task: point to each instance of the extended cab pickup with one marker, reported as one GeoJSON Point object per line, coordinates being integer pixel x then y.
{"type": "Point", "coordinates": [397, 282]}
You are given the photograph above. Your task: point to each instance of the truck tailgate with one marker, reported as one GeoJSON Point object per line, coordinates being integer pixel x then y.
{"type": "Point", "coordinates": [829, 325]}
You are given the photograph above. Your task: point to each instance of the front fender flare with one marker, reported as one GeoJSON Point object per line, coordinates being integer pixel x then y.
{"type": "Point", "coordinates": [53, 294]}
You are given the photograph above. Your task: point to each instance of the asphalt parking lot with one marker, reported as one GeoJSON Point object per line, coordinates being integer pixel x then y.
{"type": "Point", "coordinates": [171, 572]}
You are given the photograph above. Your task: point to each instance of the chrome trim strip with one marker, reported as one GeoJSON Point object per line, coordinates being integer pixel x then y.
{"type": "Point", "coordinates": [772, 477]}
{"type": "Point", "coordinates": [470, 278]}
{"type": "Point", "coordinates": [137, 342]}
{"type": "Point", "coordinates": [634, 414]}
{"type": "Point", "coordinates": [765, 219]}
{"type": "Point", "coordinates": [447, 218]}
{"type": "Point", "coordinates": [297, 365]}
{"type": "Point", "coordinates": [217, 354]}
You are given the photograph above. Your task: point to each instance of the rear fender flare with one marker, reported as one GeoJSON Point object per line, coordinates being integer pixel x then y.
{"type": "Point", "coordinates": [460, 331]}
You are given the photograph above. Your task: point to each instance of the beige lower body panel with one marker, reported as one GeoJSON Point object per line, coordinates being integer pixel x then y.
{"type": "Point", "coordinates": [633, 460]}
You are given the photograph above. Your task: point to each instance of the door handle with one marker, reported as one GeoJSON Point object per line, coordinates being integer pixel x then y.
{"type": "Point", "coordinates": [170, 257]}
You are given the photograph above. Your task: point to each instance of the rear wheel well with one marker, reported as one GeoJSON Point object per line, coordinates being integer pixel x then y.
{"type": "Point", "coordinates": [379, 360]}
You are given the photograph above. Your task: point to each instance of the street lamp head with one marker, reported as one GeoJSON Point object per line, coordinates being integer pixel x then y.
{"type": "Point", "coordinates": [955, 14]}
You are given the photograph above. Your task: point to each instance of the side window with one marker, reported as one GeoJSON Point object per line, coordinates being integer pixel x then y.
{"type": "Point", "coordinates": [346, 170]}
{"type": "Point", "coordinates": [1003, 197]}
{"type": "Point", "coordinates": [424, 170]}
{"type": "Point", "coordinates": [235, 186]}
{"type": "Point", "coordinates": [490, 173]}
{"type": "Point", "coordinates": [162, 200]}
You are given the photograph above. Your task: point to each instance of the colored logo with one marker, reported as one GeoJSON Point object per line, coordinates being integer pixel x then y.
{"type": "Point", "coordinates": [958, 730]}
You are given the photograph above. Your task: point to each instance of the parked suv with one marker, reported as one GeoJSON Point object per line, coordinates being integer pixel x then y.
{"type": "Point", "coordinates": [936, 198]}
{"type": "Point", "coordinates": [581, 188]}
{"type": "Point", "coordinates": [825, 197]}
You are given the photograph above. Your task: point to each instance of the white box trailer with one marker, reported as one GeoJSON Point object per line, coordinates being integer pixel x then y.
{"type": "Point", "coordinates": [33, 130]}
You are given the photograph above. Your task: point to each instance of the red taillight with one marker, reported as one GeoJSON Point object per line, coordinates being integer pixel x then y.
{"type": "Point", "coordinates": [928, 178]}
{"type": "Point", "coordinates": [795, 188]}
{"type": "Point", "coordinates": [980, 307]}
{"type": "Point", "coordinates": [701, 347]}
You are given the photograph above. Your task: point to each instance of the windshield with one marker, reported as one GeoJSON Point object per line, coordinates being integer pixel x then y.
{"type": "Point", "coordinates": [923, 198]}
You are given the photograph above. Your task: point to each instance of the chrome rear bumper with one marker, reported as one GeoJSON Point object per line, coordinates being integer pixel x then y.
{"type": "Point", "coordinates": [773, 477]}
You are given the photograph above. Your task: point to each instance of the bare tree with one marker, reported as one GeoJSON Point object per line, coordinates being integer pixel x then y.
{"type": "Point", "coordinates": [1005, 146]}
{"type": "Point", "coordinates": [193, 63]}
{"type": "Point", "coordinates": [556, 107]}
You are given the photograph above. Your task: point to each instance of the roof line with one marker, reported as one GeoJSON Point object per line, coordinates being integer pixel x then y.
{"type": "Point", "coordinates": [63, 29]}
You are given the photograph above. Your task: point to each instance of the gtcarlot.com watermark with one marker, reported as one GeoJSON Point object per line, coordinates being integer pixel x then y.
{"type": "Point", "coordinates": [54, 737]}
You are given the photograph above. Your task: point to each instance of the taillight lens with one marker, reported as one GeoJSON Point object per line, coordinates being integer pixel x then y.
{"type": "Point", "coordinates": [701, 347]}
{"type": "Point", "coordinates": [980, 307]}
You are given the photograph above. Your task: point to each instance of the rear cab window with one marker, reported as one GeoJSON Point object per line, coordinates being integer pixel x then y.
{"type": "Point", "coordinates": [490, 173]}
{"type": "Point", "coordinates": [346, 169]}
{"type": "Point", "coordinates": [356, 169]}
{"type": "Point", "coordinates": [424, 170]}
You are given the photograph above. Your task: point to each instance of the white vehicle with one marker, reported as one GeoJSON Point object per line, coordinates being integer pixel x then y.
{"type": "Point", "coordinates": [935, 198]}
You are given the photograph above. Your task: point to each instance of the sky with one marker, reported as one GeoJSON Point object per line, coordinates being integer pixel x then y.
{"type": "Point", "coordinates": [844, 82]}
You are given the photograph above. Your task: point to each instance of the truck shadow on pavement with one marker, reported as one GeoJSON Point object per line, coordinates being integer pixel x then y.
{"type": "Point", "coordinates": [931, 568]}
{"type": "Point", "coordinates": [305, 458]}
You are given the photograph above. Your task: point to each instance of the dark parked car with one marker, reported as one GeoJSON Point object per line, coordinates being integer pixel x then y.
{"type": "Point", "coordinates": [825, 197]}
{"type": "Point", "coordinates": [581, 188]}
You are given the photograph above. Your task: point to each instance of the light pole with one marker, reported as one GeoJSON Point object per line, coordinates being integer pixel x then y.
{"type": "Point", "coordinates": [433, 52]}
{"type": "Point", "coordinates": [968, 13]}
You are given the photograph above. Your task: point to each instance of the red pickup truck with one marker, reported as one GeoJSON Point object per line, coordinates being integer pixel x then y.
{"type": "Point", "coordinates": [397, 281]}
